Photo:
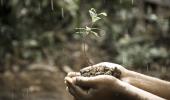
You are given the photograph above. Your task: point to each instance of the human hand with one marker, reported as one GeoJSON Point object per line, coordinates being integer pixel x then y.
{"type": "Point", "coordinates": [102, 87]}
{"type": "Point", "coordinates": [107, 87]}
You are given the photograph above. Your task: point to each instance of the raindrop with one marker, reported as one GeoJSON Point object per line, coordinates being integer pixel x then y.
{"type": "Point", "coordinates": [132, 2]}
{"type": "Point", "coordinates": [166, 67]}
{"type": "Point", "coordinates": [52, 5]}
{"type": "Point", "coordinates": [12, 96]}
{"type": "Point", "coordinates": [27, 92]}
{"type": "Point", "coordinates": [62, 12]}
{"type": "Point", "coordinates": [124, 58]}
{"type": "Point", "coordinates": [147, 67]}
{"type": "Point", "coordinates": [2, 1]}
{"type": "Point", "coordinates": [104, 1]}
{"type": "Point", "coordinates": [39, 7]}
{"type": "Point", "coordinates": [120, 1]}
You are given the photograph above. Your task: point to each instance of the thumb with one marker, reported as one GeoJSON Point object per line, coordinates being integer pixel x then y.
{"type": "Point", "coordinates": [90, 82]}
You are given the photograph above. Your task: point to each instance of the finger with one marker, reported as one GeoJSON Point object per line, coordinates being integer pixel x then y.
{"type": "Point", "coordinates": [76, 91]}
{"type": "Point", "coordinates": [73, 74]}
{"type": "Point", "coordinates": [69, 87]}
{"type": "Point", "coordinates": [93, 82]}
{"type": "Point", "coordinates": [68, 81]}
{"type": "Point", "coordinates": [89, 82]}
{"type": "Point", "coordinates": [70, 90]}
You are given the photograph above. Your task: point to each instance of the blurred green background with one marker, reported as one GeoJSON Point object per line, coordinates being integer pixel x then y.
{"type": "Point", "coordinates": [39, 43]}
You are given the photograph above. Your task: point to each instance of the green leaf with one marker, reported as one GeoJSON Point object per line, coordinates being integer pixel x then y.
{"type": "Point", "coordinates": [95, 19]}
{"type": "Point", "coordinates": [93, 10]}
{"type": "Point", "coordinates": [103, 13]}
{"type": "Point", "coordinates": [94, 15]}
{"type": "Point", "coordinates": [95, 34]}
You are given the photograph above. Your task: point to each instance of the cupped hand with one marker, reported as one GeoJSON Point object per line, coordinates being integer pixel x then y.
{"type": "Point", "coordinates": [102, 87]}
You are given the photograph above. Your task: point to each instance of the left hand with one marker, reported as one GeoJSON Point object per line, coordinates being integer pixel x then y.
{"type": "Point", "coordinates": [102, 87]}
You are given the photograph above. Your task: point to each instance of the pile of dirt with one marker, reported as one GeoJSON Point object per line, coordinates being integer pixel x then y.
{"type": "Point", "coordinates": [101, 70]}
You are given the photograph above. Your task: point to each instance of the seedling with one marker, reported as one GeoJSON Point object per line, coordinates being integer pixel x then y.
{"type": "Point", "coordinates": [87, 30]}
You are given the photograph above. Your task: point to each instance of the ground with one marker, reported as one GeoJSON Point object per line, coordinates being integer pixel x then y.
{"type": "Point", "coordinates": [33, 84]}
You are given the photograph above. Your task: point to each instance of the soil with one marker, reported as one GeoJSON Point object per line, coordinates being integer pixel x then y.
{"type": "Point", "coordinates": [34, 84]}
{"type": "Point", "coordinates": [101, 70]}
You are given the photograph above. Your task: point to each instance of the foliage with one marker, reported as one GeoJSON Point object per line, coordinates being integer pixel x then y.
{"type": "Point", "coordinates": [34, 30]}
{"type": "Point", "coordinates": [89, 30]}
{"type": "Point", "coordinates": [94, 18]}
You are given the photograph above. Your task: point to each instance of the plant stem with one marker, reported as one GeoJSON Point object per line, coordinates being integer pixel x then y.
{"type": "Point", "coordinates": [84, 50]}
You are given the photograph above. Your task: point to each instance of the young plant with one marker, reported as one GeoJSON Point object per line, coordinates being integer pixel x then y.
{"type": "Point", "coordinates": [87, 30]}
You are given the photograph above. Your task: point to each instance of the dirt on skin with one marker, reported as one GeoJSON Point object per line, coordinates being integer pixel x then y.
{"type": "Point", "coordinates": [101, 70]}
